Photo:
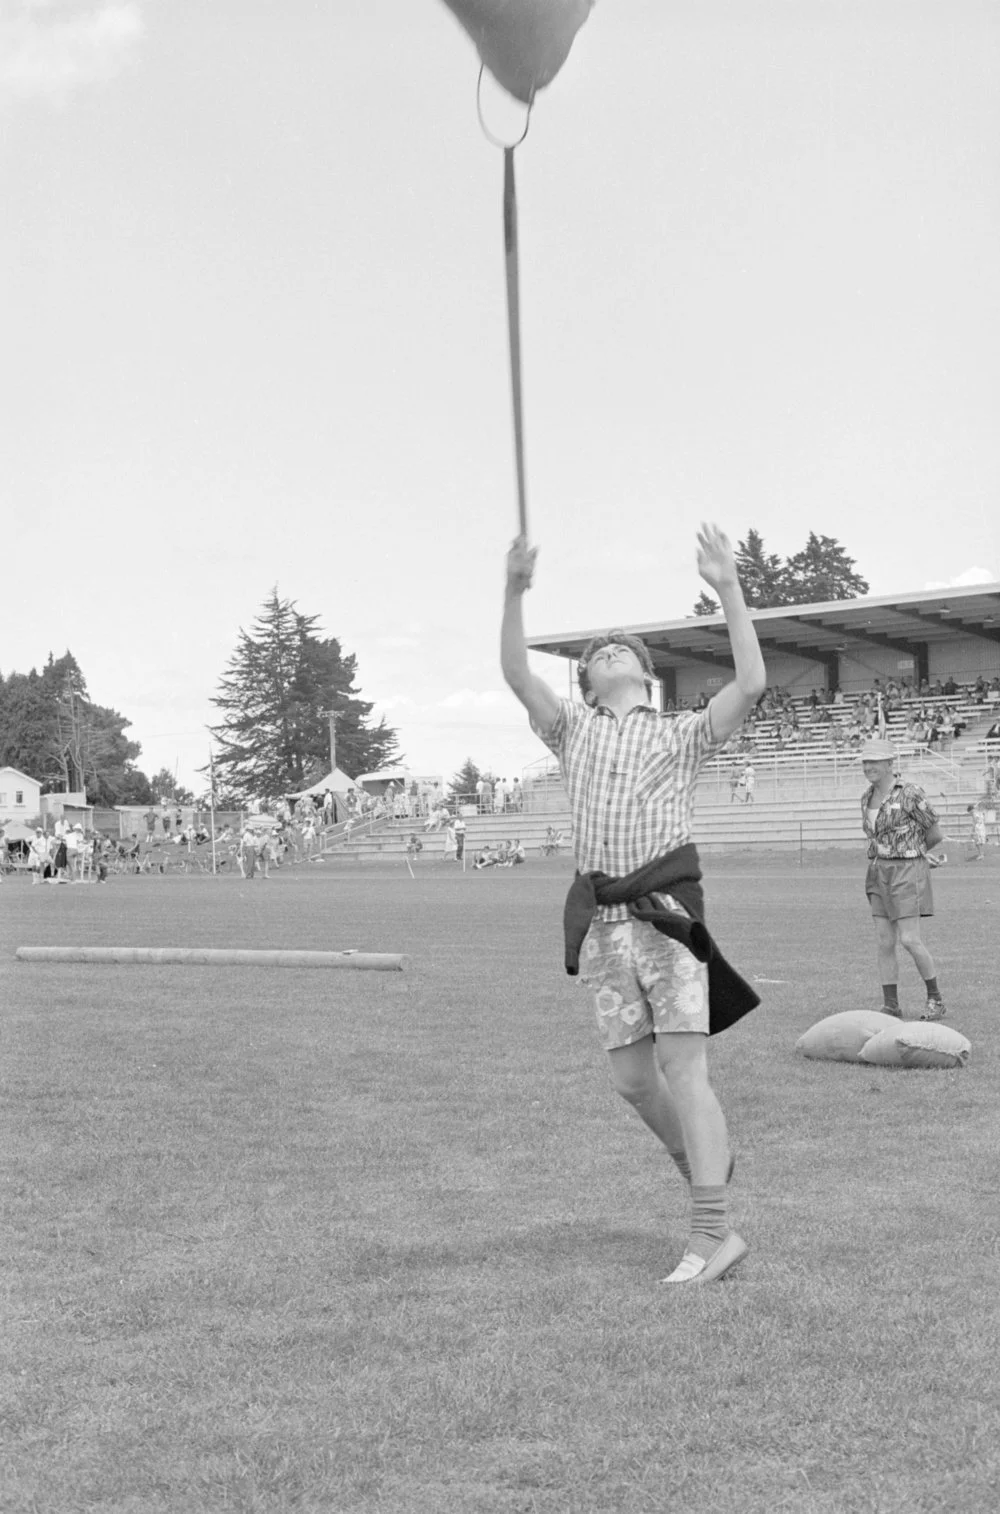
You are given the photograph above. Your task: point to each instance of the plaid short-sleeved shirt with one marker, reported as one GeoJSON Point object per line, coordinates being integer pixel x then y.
{"type": "Point", "coordinates": [631, 783]}
{"type": "Point", "coordinates": [902, 822]}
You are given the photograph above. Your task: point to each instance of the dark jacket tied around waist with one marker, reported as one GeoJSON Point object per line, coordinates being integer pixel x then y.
{"type": "Point", "coordinates": [677, 873]}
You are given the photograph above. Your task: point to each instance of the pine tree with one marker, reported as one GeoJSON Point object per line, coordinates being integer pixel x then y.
{"type": "Point", "coordinates": [762, 574]}
{"type": "Point", "coordinates": [463, 785]}
{"type": "Point", "coordinates": [706, 605]}
{"type": "Point", "coordinates": [280, 681]}
{"type": "Point", "coordinates": [822, 571]}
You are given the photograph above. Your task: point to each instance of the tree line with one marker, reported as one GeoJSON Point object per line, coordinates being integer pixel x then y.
{"type": "Point", "coordinates": [272, 736]}
{"type": "Point", "coordinates": [819, 574]}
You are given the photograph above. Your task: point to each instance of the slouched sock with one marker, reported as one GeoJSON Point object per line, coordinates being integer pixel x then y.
{"type": "Point", "coordinates": [709, 1219]}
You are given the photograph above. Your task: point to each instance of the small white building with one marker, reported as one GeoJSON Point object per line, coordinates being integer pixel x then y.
{"type": "Point", "coordinates": [19, 796]}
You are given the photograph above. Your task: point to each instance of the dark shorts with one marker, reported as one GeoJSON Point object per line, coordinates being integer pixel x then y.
{"type": "Point", "coordinates": [899, 890]}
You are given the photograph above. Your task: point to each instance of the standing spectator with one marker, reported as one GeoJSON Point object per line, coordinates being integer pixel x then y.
{"type": "Point", "coordinates": [516, 796]}
{"type": "Point", "coordinates": [248, 852]}
{"type": "Point", "coordinates": [499, 796]}
{"type": "Point", "coordinates": [977, 819]}
{"type": "Point", "coordinates": [450, 842]}
{"type": "Point", "coordinates": [459, 838]}
{"type": "Point", "coordinates": [39, 847]}
{"type": "Point", "coordinates": [60, 859]}
{"type": "Point", "coordinates": [482, 789]}
{"type": "Point", "coordinates": [150, 818]}
{"type": "Point", "coordinates": [749, 783]}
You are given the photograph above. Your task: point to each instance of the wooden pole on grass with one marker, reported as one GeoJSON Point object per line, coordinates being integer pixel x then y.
{"type": "Point", "coordinates": [197, 956]}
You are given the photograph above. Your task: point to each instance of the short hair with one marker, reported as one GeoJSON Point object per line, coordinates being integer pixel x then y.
{"type": "Point", "coordinates": [618, 638]}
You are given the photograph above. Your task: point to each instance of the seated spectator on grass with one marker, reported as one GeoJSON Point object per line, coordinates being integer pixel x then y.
{"type": "Point", "coordinates": [486, 858]}
{"type": "Point", "coordinates": [517, 852]}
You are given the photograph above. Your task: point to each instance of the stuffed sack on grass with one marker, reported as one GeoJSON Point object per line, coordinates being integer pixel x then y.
{"type": "Point", "coordinates": [880, 1040]}
{"type": "Point", "coordinates": [917, 1043]}
{"type": "Point", "coordinates": [842, 1037]}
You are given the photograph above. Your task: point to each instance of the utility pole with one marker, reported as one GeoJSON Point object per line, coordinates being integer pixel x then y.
{"type": "Point", "coordinates": [332, 716]}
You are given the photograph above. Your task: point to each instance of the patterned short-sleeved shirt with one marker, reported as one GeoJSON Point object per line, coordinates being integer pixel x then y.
{"type": "Point", "coordinates": [631, 783]}
{"type": "Point", "coordinates": [902, 822]}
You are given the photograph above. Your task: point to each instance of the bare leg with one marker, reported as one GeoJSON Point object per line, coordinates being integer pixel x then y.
{"type": "Point", "coordinates": [639, 1080]}
{"type": "Point", "coordinates": [888, 963]}
{"type": "Point", "coordinates": [908, 934]}
{"type": "Point", "coordinates": [684, 1058]}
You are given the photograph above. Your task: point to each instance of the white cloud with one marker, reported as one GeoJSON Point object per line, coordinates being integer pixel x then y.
{"type": "Point", "coordinates": [965, 580]}
{"type": "Point", "coordinates": [49, 49]}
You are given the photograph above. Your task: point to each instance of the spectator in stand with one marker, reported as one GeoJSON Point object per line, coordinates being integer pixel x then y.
{"type": "Point", "coordinates": [951, 687]}
{"type": "Point", "coordinates": [500, 796]}
{"type": "Point", "coordinates": [484, 796]}
{"type": "Point", "coordinates": [516, 796]}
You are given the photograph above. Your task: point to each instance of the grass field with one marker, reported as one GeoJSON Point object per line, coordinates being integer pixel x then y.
{"type": "Point", "coordinates": [299, 1240]}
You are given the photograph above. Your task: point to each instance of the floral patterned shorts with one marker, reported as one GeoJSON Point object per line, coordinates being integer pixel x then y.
{"type": "Point", "coordinates": [644, 983]}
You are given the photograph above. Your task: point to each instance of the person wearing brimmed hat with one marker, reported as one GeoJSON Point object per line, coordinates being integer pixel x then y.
{"type": "Point", "coordinates": [901, 828]}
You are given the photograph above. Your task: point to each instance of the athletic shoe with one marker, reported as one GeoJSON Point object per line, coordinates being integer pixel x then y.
{"type": "Point", "coordinates": [934, 1010]}
{"type": "Point", "coordinates": [693, 1268]}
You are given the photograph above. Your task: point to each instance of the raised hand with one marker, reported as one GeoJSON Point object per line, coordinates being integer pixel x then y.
{"type": "Point", "coordinates": [716, 561]}
{"type": "Point", "coordinates": [520, 565]}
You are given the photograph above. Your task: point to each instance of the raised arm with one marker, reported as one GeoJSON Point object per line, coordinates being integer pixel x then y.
{"type": "Point", "coordinates": [539, 698]}
{"type": "Point", "coordinates": [717, 566]}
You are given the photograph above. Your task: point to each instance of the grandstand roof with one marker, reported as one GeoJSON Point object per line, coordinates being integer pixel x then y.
{"type": "Point", "coordinates": [818, 632]}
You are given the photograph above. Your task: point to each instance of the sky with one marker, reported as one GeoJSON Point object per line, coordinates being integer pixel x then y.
{"type": "Point", "coordinates": [254, 334]}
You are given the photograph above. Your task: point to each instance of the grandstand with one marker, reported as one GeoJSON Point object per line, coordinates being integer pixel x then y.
{"type": "Point", "coordinates": [831, 668]}
{"type": "Point", "coordinates": [834, 670]}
